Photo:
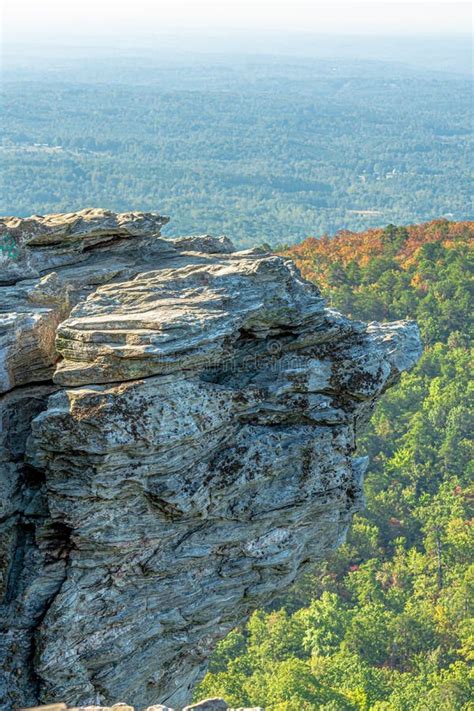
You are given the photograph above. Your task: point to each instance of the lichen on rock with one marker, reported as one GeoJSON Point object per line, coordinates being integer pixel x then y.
{"type": "Point", "coordinates": [179, 424]}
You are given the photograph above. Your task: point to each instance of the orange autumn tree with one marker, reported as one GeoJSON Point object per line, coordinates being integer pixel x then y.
{"type": "Point", "coordinates": [420, 271]}
{"type": "Point", "coordinates": [315, 256]}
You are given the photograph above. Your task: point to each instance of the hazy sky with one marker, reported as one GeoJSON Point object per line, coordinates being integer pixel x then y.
{"type": "Point", "coordinates": [69, 20]}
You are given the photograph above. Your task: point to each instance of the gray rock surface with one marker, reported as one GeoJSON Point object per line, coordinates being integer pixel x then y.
{"type": "Point", "coordinates": [214, 704]}
{"type": "Point", "coordinates": [178, 440]}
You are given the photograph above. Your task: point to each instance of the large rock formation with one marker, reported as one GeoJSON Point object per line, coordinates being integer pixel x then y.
{"type": "Point", "coordinates": [177, 445]}
{"type": "Point", "coordinates": [213, 704]}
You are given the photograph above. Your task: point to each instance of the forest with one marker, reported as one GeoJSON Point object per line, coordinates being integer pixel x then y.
{"type": "Point", "coordinates": [387, 623]}
{"type": "Point", "coordinates": [260, 148]}
{"type": "Point", "coordinates": [269, 149]}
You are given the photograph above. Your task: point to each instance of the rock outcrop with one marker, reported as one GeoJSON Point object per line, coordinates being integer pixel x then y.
{"type": "Point", "coordinates": [178, 441]}
{"type": "Point", "coordinates": [214, 704]}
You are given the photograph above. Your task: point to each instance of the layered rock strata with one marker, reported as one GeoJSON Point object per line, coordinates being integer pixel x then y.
{"type": "Point", "coordinates": [178, 438]}
{"type": "Point", "coordinates": [214, 704]}
{"type": "Point", "coordinates": [120, 706]}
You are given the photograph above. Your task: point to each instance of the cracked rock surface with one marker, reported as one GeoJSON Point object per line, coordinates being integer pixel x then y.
{"type": "Point", "coordinates": [213, 704]}
{"type": "Point", "coordinates": [177, 445]}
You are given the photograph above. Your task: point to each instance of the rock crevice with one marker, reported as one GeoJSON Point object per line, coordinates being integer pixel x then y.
{"type": "Point", "coordinates": [178, 437]}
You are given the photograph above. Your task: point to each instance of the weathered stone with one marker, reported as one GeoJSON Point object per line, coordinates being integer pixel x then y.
{"type": "Point", "coordinates": [205, 243]}
{"type": "Point", "coordinates": [42, 242]}
{"type": "Point", "coordinates": [213, 704]}
{"type": "Point", "coordinates": [195, 455]}
{"type": "Point", "coordinates": [194, 317]}
{"type": "Point", "coordinates": [116, 707]}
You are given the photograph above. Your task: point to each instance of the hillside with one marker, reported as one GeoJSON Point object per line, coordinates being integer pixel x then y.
{"type": "Point", "coordinates": [386, 624]}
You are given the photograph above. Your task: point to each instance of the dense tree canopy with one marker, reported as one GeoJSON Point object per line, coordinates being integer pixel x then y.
{"type": "Point", "coordinates": [269, 149]}
{"type": "Point", "coordinates": [387, 623]}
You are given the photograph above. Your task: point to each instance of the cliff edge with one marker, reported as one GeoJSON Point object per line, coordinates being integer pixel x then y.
{"type": "Point", "coordinates": [177, 445]}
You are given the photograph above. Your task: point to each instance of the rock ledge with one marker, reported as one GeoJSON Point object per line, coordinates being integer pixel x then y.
{"type": "Point", "coordinates": [177, 445]}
